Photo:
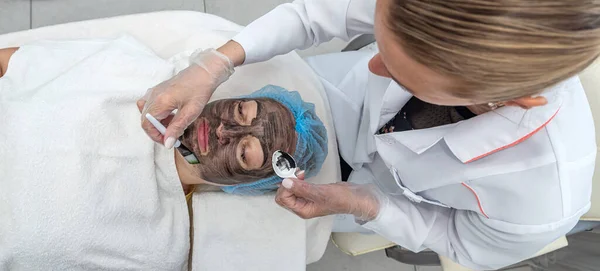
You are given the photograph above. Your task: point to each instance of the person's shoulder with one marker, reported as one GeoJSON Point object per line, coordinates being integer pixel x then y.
{"type": "Point", "coordinates": [5, 55]}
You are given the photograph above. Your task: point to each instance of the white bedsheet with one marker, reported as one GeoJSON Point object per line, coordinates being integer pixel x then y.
{"type": "Point", "coordinates": [168, 33]}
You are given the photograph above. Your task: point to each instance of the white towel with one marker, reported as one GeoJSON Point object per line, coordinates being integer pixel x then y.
{"type": "Point", "coordinates": [81, 186]}
{"type": "Point", "coordinates": [254, 233]}
{"type": "Point", "coordinates": [246, 233]}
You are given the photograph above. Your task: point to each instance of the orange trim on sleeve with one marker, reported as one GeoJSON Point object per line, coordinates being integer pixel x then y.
{"type": "Point", "coordinates": [516, 142]}
{"type": "Point", "coordinates": [477, 198]}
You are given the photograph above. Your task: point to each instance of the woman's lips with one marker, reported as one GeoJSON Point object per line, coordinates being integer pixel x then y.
{"type": "Point", "coordinates": [203, 131]}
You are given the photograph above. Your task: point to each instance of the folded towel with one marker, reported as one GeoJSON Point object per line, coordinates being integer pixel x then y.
{"type": "Point", "coordinates": [81, 186]}
{"type": "Point", "coordinates": [227, 238]}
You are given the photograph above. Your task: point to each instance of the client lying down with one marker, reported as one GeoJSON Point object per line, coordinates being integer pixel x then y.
{"type": "Point", "coordinates": [234, 140]}
{"type": "Point", "coordinates": [81, 185]}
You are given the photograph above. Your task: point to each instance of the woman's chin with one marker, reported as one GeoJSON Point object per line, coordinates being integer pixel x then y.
{"type": "Point", "coordinates": [187, 188]}
{"type": "Point", "coordinates": [213, 184]}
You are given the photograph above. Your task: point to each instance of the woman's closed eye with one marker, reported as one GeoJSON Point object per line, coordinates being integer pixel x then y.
{"type": "Point", "coordinates": [245, 112]}
{"type": "Point", "coordinates": [250, 153]}
{"type": "Point", "coordinates": [240, 109]}
{"type": "Point", "coordinates": [243, 155]}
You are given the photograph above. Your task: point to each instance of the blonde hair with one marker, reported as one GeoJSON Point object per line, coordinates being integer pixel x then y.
{"type": "Point", "coordinates": [499, 50]}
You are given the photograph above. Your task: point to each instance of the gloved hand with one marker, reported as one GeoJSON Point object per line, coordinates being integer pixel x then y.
{"type": "Point", "coordinates": [188, 91]}
{"type": "Point", "coordinates": [314, 200]}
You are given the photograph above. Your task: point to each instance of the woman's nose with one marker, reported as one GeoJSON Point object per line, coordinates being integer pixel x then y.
{"type": "Point", "coordinates": [229, 132]}
{"type": "Point", "coordinates": [377, 66]}
{"type": "Point", "coordinates": [220, 138]}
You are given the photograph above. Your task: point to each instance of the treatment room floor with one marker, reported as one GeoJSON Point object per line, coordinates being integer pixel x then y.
{"type": "Point", "coordinates": [335, 260]}
{"type": "Point", "coordinates": [18, 15]}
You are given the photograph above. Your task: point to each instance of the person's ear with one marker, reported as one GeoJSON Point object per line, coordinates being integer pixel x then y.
{"type": "Point", "coordinates": [527, 102]}
{"type": "Point", "coordinates": [377, 67]}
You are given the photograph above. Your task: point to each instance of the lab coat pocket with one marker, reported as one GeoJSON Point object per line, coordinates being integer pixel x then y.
{"type": "Point", "coordinates": [477, 198]}
{"type": "Point", "coordinates": [412, 196]}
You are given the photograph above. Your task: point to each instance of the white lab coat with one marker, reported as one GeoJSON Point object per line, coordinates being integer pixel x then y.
{"type": "Point", "coordinates": [486, 192]}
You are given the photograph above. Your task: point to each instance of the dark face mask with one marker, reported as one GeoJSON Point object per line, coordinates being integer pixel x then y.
{"type": "Point", "coordinates": [228, 125]}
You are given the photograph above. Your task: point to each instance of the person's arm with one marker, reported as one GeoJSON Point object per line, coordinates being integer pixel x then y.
{"type": "Point", "coordinates": [302, 24]}
{"type": "Point", "coordinates": [290, 26]}
{"type": "Point", "coordinates": [5, 55]}
{"type": "Point", "coordinates": [465, 237]}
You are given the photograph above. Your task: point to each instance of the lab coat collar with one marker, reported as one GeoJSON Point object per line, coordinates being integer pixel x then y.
{"type": "Point", "coordinates": [488, 133]}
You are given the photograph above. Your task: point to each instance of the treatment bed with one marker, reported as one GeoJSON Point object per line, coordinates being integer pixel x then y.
{"type": "Point", "coordinates": [229, 232]}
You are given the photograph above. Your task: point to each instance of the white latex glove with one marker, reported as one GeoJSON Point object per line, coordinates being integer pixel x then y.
{"type": "Point", "coordinates": [188, 91]}
{"type": "Point", "coordinates": [314, 200]}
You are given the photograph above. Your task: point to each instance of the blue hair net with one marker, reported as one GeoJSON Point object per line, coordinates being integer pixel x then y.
{"type": "Point", "coordinates": [311, 148]}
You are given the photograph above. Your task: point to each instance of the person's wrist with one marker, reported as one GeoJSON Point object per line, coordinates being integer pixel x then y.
{"type": "Point", "coordinates": [368, 212]}
{"type": "Point", "coordinates": [218, 66]}
{"type": "Point", "coordinates": [370, 203]}
{"type": "Point", "coordinates": [234, 52]}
